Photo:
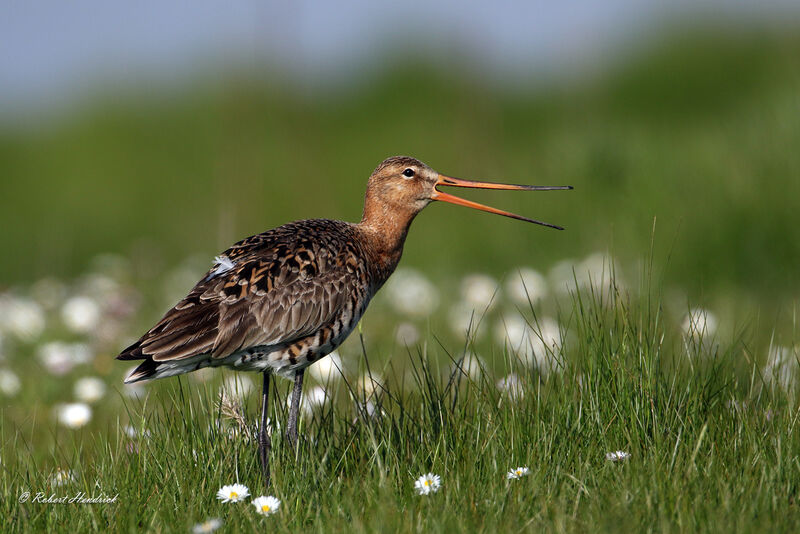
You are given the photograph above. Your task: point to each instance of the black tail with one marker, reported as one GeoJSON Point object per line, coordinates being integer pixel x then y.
{"type": "Point", "coordinates": [146, 370]}
{"type": "Point", "coordinates": [134, 352]}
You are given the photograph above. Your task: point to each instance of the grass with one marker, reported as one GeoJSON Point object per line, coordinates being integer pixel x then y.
{"type": "Point", "coordinates": [713, 445]}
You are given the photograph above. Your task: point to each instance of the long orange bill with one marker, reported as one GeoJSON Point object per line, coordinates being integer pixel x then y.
{"type": "Point", "coordinates": [458, 182]}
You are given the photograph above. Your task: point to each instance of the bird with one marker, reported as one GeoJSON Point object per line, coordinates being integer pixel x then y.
{"type": "Point", "coordinates": [278, 301]}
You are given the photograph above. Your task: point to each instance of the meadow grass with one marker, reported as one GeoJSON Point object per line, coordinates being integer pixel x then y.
{"type": "Point", "coordinates": [712, 442]}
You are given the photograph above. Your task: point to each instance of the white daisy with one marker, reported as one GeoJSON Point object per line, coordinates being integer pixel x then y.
{"type": "Point", "coordinates": [59, 358]}
{"type": "Point", "coordinates": [699, 323]}
{"type": "Point", "coordinates": [22, 317]}
{"type": "Point", "coordinates": [81, 353]}
{"type": "Point", "coordinates": [406, 334]}
{"type": "Point", "coordinates": [90, 389]}
{"type": "Point", "coordinates": [465, 320]}
{"type": "Point", "coordinates": [513, 332]}
{"type": "Point", "coordinates": [236, 387]}
{"type": "Point", "coordinates": [533, 346]}
{"type": "Point", "coordinates": [311, 400]}
{"type": "Point", "coordinates": [56, 357]}
{"type": "Point", "coordinates": [369, 384]}
{"type": "Point", "coordinates": [74, 415]}
{"type": "Point", "coordinates": [233, 493]}
{"type": "Point", "coordinates": [519, 472]}
{"type": "Point", "coordinates": [781, 368]}
{"type": "Point", "coordinates": [598, 270]}
{"type": "Point", "coordinates": [9, 383]}
{"type": "Point", "coordinates": [526, 286]}
{"type": "Point", "coordinates": [133, 433]}
{"type": "Point", "coordinates": [266, 505]}
{"type": "Point", "coordinates": [61, 477]}
{"type": "Point", "coordinates": [372, 410]}
{"type": "Point", "coordinates": [411, 293]}
{"type": "Point", "coordinates": [617, 456]}
{"type": "Point", "coordinates": [209, 525]}
{"type": "Point", "coordinates": [562, 275]}
{"type": "Point", "coordinates": [80, 314]}
{"type": "Point", "coordinates": [479, 291]}
{"type": "Point", "coordinates": [511, 385]}
{"type": "Point", "coordinates": [427, 484]}
{"type": "Point", "coordinates": [327, 369]}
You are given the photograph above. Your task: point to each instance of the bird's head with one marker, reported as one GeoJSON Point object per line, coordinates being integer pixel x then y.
{"type": "Point", "coordinates": [403, 186]}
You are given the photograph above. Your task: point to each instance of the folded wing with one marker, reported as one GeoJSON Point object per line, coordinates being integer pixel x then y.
{"type": "Point", "coordinates": [267, 290]}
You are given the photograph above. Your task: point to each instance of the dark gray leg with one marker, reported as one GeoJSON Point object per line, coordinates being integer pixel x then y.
{"type": "Point", "coordinates": [291, 430]}
{"type": "Point", "coordinates": [264, 443]}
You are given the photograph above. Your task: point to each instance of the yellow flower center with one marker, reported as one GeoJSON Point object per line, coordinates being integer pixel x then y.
{"type": "Point", "coordinates": [427, 482]}
{"type": "Point", "coordinates": [234, 495]}
{"type": "Point", "coordinates": [265, 508]}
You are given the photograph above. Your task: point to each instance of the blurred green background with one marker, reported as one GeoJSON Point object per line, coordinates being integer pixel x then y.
{"type": "Point", "coordinates": [681, 141]}
{"type": "Point", "coordinates": [696, 135]}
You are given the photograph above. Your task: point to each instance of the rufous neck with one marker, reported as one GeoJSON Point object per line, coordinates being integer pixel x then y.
{"type": "Point", "coordinates": [385, 228]}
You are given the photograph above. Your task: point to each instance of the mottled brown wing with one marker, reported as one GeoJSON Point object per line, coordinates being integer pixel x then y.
{"type": "Point", "coordinates": [273, 293]}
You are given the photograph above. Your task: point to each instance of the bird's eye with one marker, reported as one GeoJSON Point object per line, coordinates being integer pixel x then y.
{"type": "Point", "coordinates": [408, 173]}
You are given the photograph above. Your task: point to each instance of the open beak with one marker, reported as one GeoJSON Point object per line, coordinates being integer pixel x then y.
{"type": "Point", "coordinates": [458, 182]}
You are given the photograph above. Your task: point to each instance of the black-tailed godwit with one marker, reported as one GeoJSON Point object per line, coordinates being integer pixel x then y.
{"type": "Point", "coordinates": [278, 301]}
